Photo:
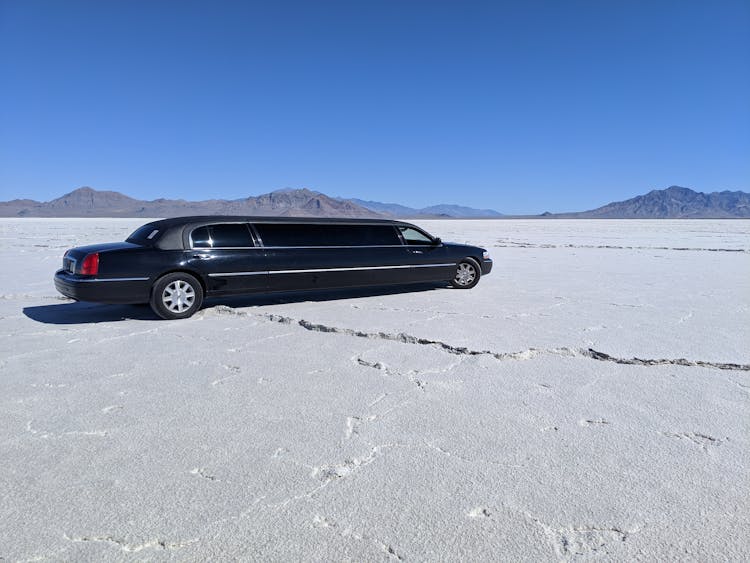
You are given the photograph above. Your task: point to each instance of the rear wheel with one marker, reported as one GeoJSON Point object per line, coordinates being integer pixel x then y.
{"type": "Point", "coordinates": [176, 296]}
{"type": "Point", "coordinates": [467, 274]}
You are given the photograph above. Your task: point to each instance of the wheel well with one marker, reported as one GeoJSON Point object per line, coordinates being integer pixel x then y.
{"type": "Point", "coordinates": [477, 262]}
{"type": "Point", "coordinates": [193, 273]}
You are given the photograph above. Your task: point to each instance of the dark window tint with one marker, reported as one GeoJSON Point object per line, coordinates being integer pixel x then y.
{"type": "Point", "coordinates": [229, 235]}
{"type": "Point", "coordinates": [327, 235]}
{"type": "Point", "coordinates": [201, 238]}
{"type": "Point", "coordinates": [413, 236]}
{"type": "Point", "coordinates": [377, 235]}
{"type": "Point", "coordinates": [144, 234]}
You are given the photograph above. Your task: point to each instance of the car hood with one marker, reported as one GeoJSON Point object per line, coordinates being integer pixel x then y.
{"type": "Point", "coordinates": [466, 246]}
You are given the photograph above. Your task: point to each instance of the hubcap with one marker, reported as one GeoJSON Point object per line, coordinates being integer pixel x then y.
{"type": "Point", "coordinates": [465, 274]}
{"type": "Point", "coordinates": [178, 296]}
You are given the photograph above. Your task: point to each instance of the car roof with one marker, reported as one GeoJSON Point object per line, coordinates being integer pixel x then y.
{"type": "Point", "coordinates": [176, 229]}
{"type": "Point", "coordinates": [192, 219]}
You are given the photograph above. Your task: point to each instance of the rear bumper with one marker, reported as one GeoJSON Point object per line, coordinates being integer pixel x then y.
{"type": "Point", "coordinates": [103, 290]}
{"type": "Point", "coordinates": [486, 267]}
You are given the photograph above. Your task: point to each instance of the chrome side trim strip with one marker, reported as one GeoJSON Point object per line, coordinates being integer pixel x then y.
{"type": "Point", "coordinates": [356, 246]}
{"type": "Point", "coordinates": [207, 248]}
{"type": "Point", "coordinates": [225, 274]}
{"type": "Point", "coordinates": [314, 270]}
{"type": "Point", "coordinates": [111, 280]}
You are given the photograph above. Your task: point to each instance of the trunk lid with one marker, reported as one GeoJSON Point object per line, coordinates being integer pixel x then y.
{"type": "Point", "coordinates": [74, 257]}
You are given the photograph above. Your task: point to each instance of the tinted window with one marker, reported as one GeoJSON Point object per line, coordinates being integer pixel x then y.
{"type": "Point", "coordinates": [413, 236]}
{"type": "Point", "coordinates": [201, 238]}
{"type": "Point", "coordinates": [377, 235]}
{"type": "Point", "coordinates": [144, 234]}
{"type": "Point", "coordinates": [230, 235]}
{"type": "Point", "coordinates": [283, 235]}
{"type": "Point", "coordinates": [327, 235]}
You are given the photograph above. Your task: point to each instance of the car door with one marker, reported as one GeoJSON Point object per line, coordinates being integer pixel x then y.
{"type": "Point", "coordinates": [312, 256]}
{"type": "Point", "coordinates": [228, 258]}
{"type": "Point", "coordinates": [429, 261]}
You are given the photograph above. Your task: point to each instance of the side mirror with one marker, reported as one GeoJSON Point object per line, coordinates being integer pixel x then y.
{"type": "Point", "coordinates": [437, 241]}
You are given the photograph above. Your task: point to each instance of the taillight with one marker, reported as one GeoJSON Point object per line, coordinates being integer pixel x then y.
{"type": "Point", "coordinates": [90, 265]}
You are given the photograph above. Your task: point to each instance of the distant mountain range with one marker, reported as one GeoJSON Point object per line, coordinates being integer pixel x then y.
{"type": "Point", "coordinates": [443, 210]}
{"type": "Point", "coordinates": [87, 202]}
{"type": "Point", "coordinates": [673, 203]}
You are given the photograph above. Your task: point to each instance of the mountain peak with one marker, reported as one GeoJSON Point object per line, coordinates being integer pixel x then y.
{"type": "Point", "coordinates": [90, 199]}
{"type": "Point", "coordinates": [679, 189]}
{"type": "Point", "coordinates": [675, 202]}
{"type": "Point", "coordinates": [295, 190]}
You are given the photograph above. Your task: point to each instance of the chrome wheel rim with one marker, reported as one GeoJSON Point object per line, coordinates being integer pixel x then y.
{"type": "Point", "coordinates": [465, 274]}
{"type": "Point", "coordinates": [178, 296]}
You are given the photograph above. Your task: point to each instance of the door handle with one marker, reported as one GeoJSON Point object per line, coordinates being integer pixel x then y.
{"type": "Point", "coordinates": [418, 251]}
{"type": "Point", "coordinates": [201, 256]}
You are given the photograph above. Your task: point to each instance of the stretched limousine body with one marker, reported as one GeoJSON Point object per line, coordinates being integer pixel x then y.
{"type": "Point", "coordinates": [174, 263]}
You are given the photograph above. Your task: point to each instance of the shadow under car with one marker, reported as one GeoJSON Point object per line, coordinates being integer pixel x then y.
{"type": "Point", "coordinates": [84, 312]}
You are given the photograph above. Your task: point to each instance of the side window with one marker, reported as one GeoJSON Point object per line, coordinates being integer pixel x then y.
{"type": "Point", "coordinates": [201, 238]}
{"type": "Point", "coordinates": [413, 236]}
{"type": "Point", "coordinates": [278, 234]}
{"type": "Point", "coordinates": [377, 235]}
{"type": "Point", "coordinates": [228, 235]}
{"type": "Point", "coordinates": [327, 235]}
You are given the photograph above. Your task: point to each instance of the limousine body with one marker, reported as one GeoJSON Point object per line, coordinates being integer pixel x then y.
{"type": "Point", "coordinates": [174, 263]}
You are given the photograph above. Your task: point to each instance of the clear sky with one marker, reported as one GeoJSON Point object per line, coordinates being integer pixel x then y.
{"type": "Point", "coordinates": [520, 106]}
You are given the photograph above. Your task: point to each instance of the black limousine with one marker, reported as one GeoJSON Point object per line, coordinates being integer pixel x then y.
{"type": "Point", "coordinates": [174, 263]}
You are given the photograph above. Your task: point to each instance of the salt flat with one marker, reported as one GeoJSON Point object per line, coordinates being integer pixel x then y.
{"type": "Point", "coordinates": [587, 400]}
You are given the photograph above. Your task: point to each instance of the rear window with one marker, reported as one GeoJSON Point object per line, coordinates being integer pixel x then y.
{"type": "Point", "coordinates": [327, 235]}
{"type": "Point", "coordinates": [228, 235]}
{"type": "Point", "coordinates": [144, 235]}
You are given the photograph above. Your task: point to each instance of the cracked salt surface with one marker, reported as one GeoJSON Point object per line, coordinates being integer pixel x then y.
{"type": "Point", "coordinates": [588, 400]}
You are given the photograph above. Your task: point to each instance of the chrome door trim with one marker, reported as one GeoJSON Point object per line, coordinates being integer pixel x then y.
{"type": "Point", "coordinates": [225, 274]}
{"type": "Point", "coordinates": [314, 270]}
{"type": "Point", "coordinates": [110, 279]}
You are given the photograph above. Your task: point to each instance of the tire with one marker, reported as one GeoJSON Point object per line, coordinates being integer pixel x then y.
{"type": "Point", "coordinates": [467, 274]}
{"type": "Point", "coordinates": [176, 296]}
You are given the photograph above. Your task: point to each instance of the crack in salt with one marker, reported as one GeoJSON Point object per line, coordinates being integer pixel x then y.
{"type": "Point", "coordinates": [329, 474]}
{"type": "Point", "coordinates": [201, 472]}
{"type": "Point", "coordinates": [45, 435]}
{"type": "Point", "coordinates": [517, 244]}
{"type": "Point", "coordinates": [702, 440]}
{"type": "Point", "coordinates": [576, 541]}
{"type": "Point", "coordinates": [528, 354]}
{"type": "Point", "coordinates": [404, 338]}
{"type": "Point", "coordinates": [129, 548]}
{"type": "Point", "coordinates": [323, 522]}
{"type": "Point", "coordinates": [602, 357]}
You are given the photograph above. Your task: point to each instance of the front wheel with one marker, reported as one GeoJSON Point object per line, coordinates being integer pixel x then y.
{"type": "Point", "coordinates": [467, 274]}
{"type": "Point", "coordinates": [176, 296]}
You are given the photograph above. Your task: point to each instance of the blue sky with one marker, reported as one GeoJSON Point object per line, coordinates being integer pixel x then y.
{"type": "Point", "coordinates": [520, 106]}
